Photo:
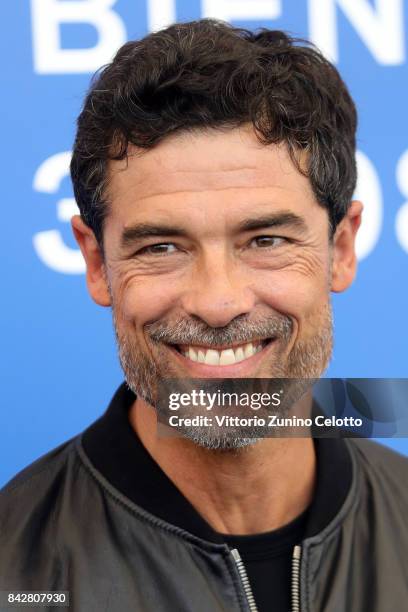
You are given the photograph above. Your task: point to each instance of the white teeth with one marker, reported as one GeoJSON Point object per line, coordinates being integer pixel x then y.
{"type": "Point", "coordinates": [227, 357]}
{"type": "Point", "coordinates": [249, 350]}
{"type": "Point", "coordinates": [192, 354]}
{"type": "Point", "coordinates": [239, 354]}
{"type": "Point", "coordinates": [224, 357]}
{"type": "Point", "coordinates": [212, 357]}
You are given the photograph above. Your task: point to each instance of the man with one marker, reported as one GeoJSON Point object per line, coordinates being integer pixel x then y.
{"type": "Point", "coordinates": [214, 170]}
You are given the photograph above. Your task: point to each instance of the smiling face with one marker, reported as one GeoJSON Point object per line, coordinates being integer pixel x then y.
{"type": "Point", "coordinates": [218, 261]}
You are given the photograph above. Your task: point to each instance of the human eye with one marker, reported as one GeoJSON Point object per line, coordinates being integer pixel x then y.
{"type": "Point", "coordinates": [159, 249]}
{"type": "Point", "coordinates": [267, 242]}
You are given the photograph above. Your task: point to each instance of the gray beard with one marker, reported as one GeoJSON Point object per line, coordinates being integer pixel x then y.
{"type": "Point", "coordinates": [308, 359]}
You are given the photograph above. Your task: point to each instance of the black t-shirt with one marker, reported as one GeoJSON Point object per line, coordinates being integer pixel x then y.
{"type": "Point", "coordinates": [117, 453]}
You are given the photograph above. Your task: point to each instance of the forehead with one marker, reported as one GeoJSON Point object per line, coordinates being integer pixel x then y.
{"type": "Point", "coordinates": [211, 172]}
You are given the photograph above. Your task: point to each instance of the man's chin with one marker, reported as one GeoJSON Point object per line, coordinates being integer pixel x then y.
{"type": "Point", "coordinates": [218, 442]}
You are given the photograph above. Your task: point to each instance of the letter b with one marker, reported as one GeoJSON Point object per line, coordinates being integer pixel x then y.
{"type": "Point", "coordinates": [48, 15]}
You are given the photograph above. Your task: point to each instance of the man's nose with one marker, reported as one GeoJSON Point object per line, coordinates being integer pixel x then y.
{"type": "Point", "coordinates": [219, 291]}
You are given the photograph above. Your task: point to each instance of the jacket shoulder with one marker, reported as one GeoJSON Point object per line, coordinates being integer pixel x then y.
{"type": "Point", "coordinates": [384, 468]}
{"type": "Point", "coordinates": [36, 486]}
{"type": "Point", "coordinates": [379, 456]}
{"type": "Point", "coordinates": [29, 507]}
{"type": "Point", "coordinates": [48, 463]}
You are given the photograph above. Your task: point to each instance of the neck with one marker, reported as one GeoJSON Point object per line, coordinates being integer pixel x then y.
{"type": "Point", "coordinates": [252, 490]}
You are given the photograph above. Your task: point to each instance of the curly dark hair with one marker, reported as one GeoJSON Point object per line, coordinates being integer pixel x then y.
{"type": "Point", "coordinates": [208, 74]}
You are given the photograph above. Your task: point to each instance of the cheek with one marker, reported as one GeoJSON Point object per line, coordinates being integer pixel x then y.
{"type": "Point", "coordinates": [294, 294]}
{"type": "Point", "coordinates": [145, 300]}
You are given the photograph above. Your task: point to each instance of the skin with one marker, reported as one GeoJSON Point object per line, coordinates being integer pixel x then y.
{"type": "Point", "coordinates": [207, 183]}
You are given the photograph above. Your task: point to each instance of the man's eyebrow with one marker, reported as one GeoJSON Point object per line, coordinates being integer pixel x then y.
{"type": "Point", "coordinates": [144, 230]}
{"type": "Point", "coordinates": [278, 219]}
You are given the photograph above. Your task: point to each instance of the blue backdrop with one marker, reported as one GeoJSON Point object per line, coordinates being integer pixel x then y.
{"type": "Point", "coordinates": [59, 365]}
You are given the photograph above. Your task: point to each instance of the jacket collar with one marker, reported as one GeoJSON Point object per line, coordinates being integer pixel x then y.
{"type": "Point", "coordinates": [116, 452]}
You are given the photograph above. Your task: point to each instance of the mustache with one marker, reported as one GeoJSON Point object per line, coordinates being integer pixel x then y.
{"type": "Point", "coordinates": [239, 330]}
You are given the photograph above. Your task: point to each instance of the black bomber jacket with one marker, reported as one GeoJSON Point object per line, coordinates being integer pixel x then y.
{"type": "Point", "coordinates": [76, 521]}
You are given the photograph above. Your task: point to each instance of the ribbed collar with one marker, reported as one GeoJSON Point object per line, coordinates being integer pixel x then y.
{"type": "Point", "coordinates": [116, 452]}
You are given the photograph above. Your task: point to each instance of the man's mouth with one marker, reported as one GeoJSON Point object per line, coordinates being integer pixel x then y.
{"type": "Point", "coordinates": [222, 355]}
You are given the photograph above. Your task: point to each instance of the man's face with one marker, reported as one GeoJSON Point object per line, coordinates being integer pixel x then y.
{"type": "Point", "coordinates": [218, 262]}
{"type": "Point", "coordinates": [225, 245]}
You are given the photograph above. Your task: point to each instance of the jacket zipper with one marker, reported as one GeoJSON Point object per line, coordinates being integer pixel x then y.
{"type": "Point", "coordinates": [297, 551]}
{"type": "Point", "coordinates": [244, 579]}
{"type": "Point", "coordinates": [295, 579]}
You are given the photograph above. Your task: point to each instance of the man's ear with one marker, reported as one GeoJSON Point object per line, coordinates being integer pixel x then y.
{"type": "Point", "coordinates": [344, 260]}
{"type": "Point", "coordinates": [95, 268]}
